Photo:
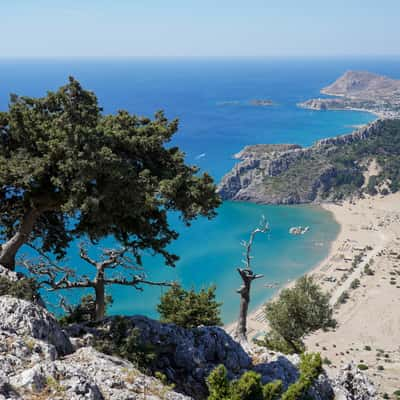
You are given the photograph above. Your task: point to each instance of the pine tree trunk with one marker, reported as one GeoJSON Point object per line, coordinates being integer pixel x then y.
{"type": "Point", "coordinates": [241, 329]}
{"type": "Point", "coordinates": [10, 248]}
{"type": "Point", "coordinates": [100, 299]}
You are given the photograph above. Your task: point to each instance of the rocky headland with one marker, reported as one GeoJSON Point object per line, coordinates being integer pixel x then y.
{"type": "Point", "coordinates": [362, 91]}
{"type": "Point", "coordinates": [331, 169]}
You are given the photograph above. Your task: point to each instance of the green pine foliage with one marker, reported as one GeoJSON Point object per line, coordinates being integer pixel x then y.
{"type": "Point", "coordinates": [310, 369]}
{"type": "Point", "coordinates": [250, 387]}
{"type": "Point", "coordinates": [189, 309]}
{"type": "Point", "coordinates": [218, 384]}
{"type": "Point", "coordinates": [297, 312]}
{"type": "Point", "coordinates": [247, 387]}
{"type": "Point", "coordinates": [68, 170]}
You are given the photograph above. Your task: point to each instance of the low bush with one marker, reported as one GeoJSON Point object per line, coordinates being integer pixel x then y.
{"type": "Point", "coordinates": [122, 341]}
{"type": "Point", "coordinates": [85, 311]}
{"type": "Point", "coordinates": [355, 284]}
{"type": "Point", "coordinates": [343, 298]}
{"type": "Point", "coordinates": [25, 288]}
{"type": "Point", "coordinates": [247, 387]}
{"type": "Point", "coordinates": [189, 309]}
{"type": "Point", "coordinates": [250, 387]}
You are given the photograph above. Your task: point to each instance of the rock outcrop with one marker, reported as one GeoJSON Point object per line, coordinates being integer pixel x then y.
{"type": "Point", "coordinates": [352, 384]}
{"type": "Point", "coordinates": [364, 85]}
{"type": "Point", "coordinates": [187, 356]}
{"type": "Point", "coordinates": [37, 360]}
{"type": "Point", "coordinates": [88, 374]}
{"type": "Point", "coordinates": [290, 174]}
{"type": "Point", "coordinates": [26, 319]}
{"type": "Point", "coordinates": [363, 91]}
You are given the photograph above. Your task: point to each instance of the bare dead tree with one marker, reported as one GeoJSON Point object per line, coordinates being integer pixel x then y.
{"type": "Point", "coordinates": [248, 276]}
{"type": "Point", "coordinates": [56, 277]}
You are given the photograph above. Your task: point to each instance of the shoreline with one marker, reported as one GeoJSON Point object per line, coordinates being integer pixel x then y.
{"type": "Point", "coordinates": [255, 323]}
{"type": "Point", "coordinates": [368, 324]}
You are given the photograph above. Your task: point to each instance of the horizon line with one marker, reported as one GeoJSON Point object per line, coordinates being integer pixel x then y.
{"type": "Point", "coordinates": [105, 57]}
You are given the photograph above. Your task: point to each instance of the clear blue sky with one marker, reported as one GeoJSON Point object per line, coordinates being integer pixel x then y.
{"type": "Point", "coordinates": [53, 28]}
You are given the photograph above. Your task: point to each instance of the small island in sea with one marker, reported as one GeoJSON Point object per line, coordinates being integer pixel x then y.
{"type": "Point", "coordinates": [262, 102]}
{"type": "Point", "coordinates": [361, 91]}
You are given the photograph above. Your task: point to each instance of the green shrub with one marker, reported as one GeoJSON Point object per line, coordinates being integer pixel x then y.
{"type": "Point", "coordinates": [122, 341]}
{"type": "Point", "coordinates": [355, 284]}
{"type": "Point", "coordinates": [368, 348]}
{"type": "Point", "coordinates": [25, 288]}
{"type": "Point", "coordinates": [368, 270]}
{"type": "Point", "coordinates": [298, 311]}
{"type": "Point", "coordinates": [343, 298]}
{"type": "Point", "coordinates": [250, 387]}
{"type": "Point", "coordinates": [362, 367]}
{"type": "Point", "coordinates": [247, 387]}
{"type": "Point", "coordinates": [275, 342]}
{"type": "Point", "coordinates": [189, 309]}
{"type": "Point", "coordinates": [310, 369]}
{"type": "Point", "coordinates": [218, 384]}
{"type": "Point", "coordinates": [85, 311]}
{"type": "Point", "coordinates": [273, 390]}
{"type": "Point", "coordinates": [326, 361]}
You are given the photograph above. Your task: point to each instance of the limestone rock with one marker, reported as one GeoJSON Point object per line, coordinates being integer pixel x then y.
{"type": "Point", "coordinates": [288, 174]}
{"type": "Point", "coordinates": [27, 319]}
{"type": "Point", "coordinates": [352, 384]}
{"type": "Point", "coordinates": [88, 374]}
{"type": "Point", "coordinates": [187, 356]}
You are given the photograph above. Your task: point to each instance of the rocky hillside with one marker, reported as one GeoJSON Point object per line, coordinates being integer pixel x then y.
{"type": "Point", "coordinates": [39, 360]}
{"type": "Point", "coordinates": [364, 85]}
{"type": "Point", "coordinates": [331, 169]}
{"type": "Point", "coordinates": [360, 90]}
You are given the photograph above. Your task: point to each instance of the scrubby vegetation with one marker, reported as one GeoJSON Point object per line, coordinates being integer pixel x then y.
{"type": "Point", "coordinates": [247, 387]}
{"type": "Point", "coordinates": [250, 387]}
{"type": "Point", "coordinates": [297, 312]}
{"type": "Point", "coordinates": [189, 309]}
{"type": "Point", "coordinates": [26, 289]}
{"type": "Point", "coordinates": [85, 311]}
{"type": "Point", "coordinates": [119, 340]}
{"type": "Point", "coordinates": [339, 171]}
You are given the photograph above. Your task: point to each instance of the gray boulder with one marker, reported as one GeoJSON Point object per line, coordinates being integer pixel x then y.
{"type": "Point", "coordinates": [352, 384]}
{"type": "Point", "coordinates": [187, 356]}
{"type": "Point", "coordinates": [88, 374]}
{"type": "Point", "coordinates": [27, 319]}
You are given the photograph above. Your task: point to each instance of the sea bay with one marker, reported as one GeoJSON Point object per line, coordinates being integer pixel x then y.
{"type": "Point", "coordinates": [212, 99]}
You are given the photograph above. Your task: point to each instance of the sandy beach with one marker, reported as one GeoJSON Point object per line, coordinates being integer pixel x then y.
{"type": "Point", "coordinates": [369, 320]}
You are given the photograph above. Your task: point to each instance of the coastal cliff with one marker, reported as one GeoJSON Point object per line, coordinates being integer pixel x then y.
{"type": "Point", "coordinates": [331, 169]}
{"type": "Point", "coordinates": [362, 91]}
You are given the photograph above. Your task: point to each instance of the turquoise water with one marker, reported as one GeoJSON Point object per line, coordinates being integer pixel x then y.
{"type": "Point", "coordinates": [211, 251]}
{"type": "Point", "coordinates": [196, 91]}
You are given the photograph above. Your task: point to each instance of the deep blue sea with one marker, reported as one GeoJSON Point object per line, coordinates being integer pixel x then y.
{"type": "Point", "coordinates": [211, 98]}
